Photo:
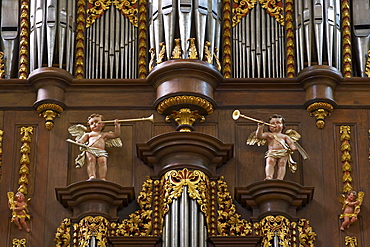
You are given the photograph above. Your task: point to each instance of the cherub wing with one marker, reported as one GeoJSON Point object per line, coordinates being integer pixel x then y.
{"type": "Point", "coordinates": [252, 140]}
{"type": "Point", "coordinates": [360, 197]}
{"type": "Point", "coordinates": [77, 130]}
{"type": "Point", "coordinates": [10, 195]}
{"type": "Point", "coordinates": [295, 136]}
{"type": "Point", "coordinates": [113, 143]}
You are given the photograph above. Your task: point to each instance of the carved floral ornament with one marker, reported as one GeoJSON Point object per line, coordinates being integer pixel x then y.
{"type": "Point", "coordinates": [273, 7]}
{"type": "Point", "coordinates": [96, 9]}
{"type": "Point", "coordinates": [215, 202]}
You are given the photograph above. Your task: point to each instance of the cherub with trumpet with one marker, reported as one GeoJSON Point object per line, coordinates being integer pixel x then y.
{"type": "Point", "coordinates": [280, 145]}
{"type": "Point", "coordinates": [92, 144]}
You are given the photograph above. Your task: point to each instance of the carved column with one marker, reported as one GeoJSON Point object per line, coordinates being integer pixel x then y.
{"type": "Point", "coordinates": [185, 90]}
{"type": "Point", "coordinates": [319, 82]}
{"type": "Point", "coordinates": [50, 84]}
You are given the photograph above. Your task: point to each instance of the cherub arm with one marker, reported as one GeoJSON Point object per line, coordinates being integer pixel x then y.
{"type": "Point", "coordinates": [117, 131]}
{"type": "Point", "coordinates": [259, 132]}
{"type": "Point", "coordinates": [290, 142]}
{"type": "Point", "coordinates": [84, 138]}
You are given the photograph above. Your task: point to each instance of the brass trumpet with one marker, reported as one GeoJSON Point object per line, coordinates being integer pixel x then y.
{"type": "Point", "coordinates": [236, 115]}
{"type": "Point", "coordinates": [150, 118]}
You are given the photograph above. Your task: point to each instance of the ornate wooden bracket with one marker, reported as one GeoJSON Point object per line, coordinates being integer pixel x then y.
{"type": "Point", "coordinates": [49, 112]}
{"type": "Point", "coordinates": [320, 110]}
{"type": "Point", "coordinates": [185, 119]}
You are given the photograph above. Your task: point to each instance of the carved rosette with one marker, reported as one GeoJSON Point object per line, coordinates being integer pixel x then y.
{"type": "Point", "coordinates": [25, 159]}
{"type": "Point", "coordinates": [320, 110]}
{"type": "Point", "coordinates": [49, 112]}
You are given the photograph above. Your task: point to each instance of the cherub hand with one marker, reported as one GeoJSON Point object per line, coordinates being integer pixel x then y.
{"type": "Point", "coordinates": [117, 123]}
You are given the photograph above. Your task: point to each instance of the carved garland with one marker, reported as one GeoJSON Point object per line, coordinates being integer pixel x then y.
{"type": "Point", "coordinates": [289, 38]}
{"type": "Point", "coordinates": [346, 38]}
{"type": "Point", "coordinates": [80, 47]}
{"type": "Point", "coordinates": [226, 35]}
{"type": "Point", "coordinates": [142, 39]}
{"type": "Point", "coordinates": [25, 159]}
{"type": "Point", "coordinates": [346, 158]}
{"type": "Point", "coordinates": [23, 52]}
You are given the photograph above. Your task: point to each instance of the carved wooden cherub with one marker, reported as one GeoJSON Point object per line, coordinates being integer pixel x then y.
{"type": "Point", "coordinates": [93, 144]}
{"type": "Point", "coordinates": [19, 208]}
{"type": "Point", "coordinates": [280, 146]}
{"type": "Point", "coordinates": [351, 208]}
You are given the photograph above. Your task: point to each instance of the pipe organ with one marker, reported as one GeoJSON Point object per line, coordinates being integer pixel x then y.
{"type": "Point", "coordinates": [269, 39]}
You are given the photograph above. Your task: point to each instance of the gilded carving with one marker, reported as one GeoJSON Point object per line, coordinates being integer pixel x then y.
{"type": "Point", "coordinates": [24, 33]}
{"type": "Point", "coordinates": [320, 110]}
{"type": "Point", "coordinates": [185, 118]}
{"type": "Point", "coordinates": [2, 65]}
{"type": "Point", "coordinates": [346, 38]}
{"type": "Point", "coordinates": [218, 63]}
{"type": "Point", "coordinates": [226, 30]}
{"type": "Point", "coordinates": [19, 242]}
{"type": "Point", "coordinates": [185, 99]}
{"type": "Point", "coordinates": [289, 38]}
{"type": "Point", "coordinates": [192, 50]}
{"type": "Point", "coordinates": [49, 112]}
{"type": "Point", "coordinates": [25, 161]}
{"type": "Point", "coordinates": [350, 241]}
{"type": "Point", "coordinates": [152, 59]}
{"type": "Point", "coordinates": [63, 234]}
{"type": "Point", "coordinates": [346, 158]}
{"type": "Point", "coordinates": [274, 229]}
{"type": "Point", "coordinates": [177, 51]}
{"type": "Point", "coordinates": [306, 235]}
{"type": "Point", "coordinates": [130, 12]}
{"type": "Point", "coordinates": [241, 9]}
{"type": "Point", "coordinates": [80, 48]}
{"type": "Point", "coordinates": [162, 52]}
{"type": "Point", "coordinates": [207, 53]}
{"type": "Point", "coordinates": [367, 69]}
{"type": "Point", "coordinates": [229, 223]}
{"type": "Point", "coordinates": [140, 222]}
{"type": "Point", "coordinates": [93, 229]}
{"type": "Point", "coordinates": [274, 8]}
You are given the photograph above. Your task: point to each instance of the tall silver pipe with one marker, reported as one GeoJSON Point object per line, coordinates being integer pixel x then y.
{"type": "Point", "coordinates": [307, 20]}
{"type": "Point", "coordinates": [62, 31]}
{"type": "Point", "coordinates": [40, 15]}
{"type": "Point", "coordinates": [174, 223]}
{"type": "Point", "coordinates": [122, 45]}
{"type": "Point", "coordinates": [32, 46]}
{"type": "Point", "coordinates": [51, 17]}
{"type": "Point", "coordinates": [101, 48]}
{"type": "Point", "coordinates": [167, 230]}
{"type": "Point", "coordinates": [253, 41]}
{"type": "Point", "coordinates": [273, 46]}
{"type": "Point", "coordinates": [243, 63]}
{"type": "Point", "coordinates": [361, 23]}
{"type": "Point", "coordinates": [112, 40]}
{"type": "Point", "coordinates": [184, 218]}
{"type": "Point", "coordinates": [318, 11]}
{"type": "Point", "coordinates": [127, 51]}
{"type": "Point", "coordinates": [265, 65]}
{"type": "Point", "coordinates": [299, 35]}
{"type": "Point", "coordinates": [106, 42]}
{"type": "Point", "coordinates": [117, 43]}
{"type": "Point", "coordinates": [185, 8]}
{"type": "Point", "coordinates": [71, 35]}
{"type": "Point", "coordinates": [202, 231]}
{"type": "Point", "coordinates": [201, 11]}
{"type": "Point", "coordinates": [330, 22]}
{"type": "Point", "coordinates": [258, 41]}
{"type": "Point", "coordinates": [169, 15]}
{"type": "Point", "coordinates": [88, 53]}
{"type": "Point", "coordinates": [338, 36]}
{"type": "Point", "coordinates": [93, 51]}
{"type": "Point", "coordinates": [194, 229]}
{"type": "Point", "coordinates": [9, 35]}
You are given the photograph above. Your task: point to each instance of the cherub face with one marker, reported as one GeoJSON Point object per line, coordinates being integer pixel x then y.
{"type": "Point", "coordinates": [279, 125]}
{"type": "Point", "coordinates": [351, 197]}
{"type": "Point", "coordinates": [19, 197]}
{"type": "Point", "coordinates": [95, 124]}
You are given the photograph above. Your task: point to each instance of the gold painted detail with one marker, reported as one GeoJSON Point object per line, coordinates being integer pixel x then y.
{"type": "Point", "coordinates": [96, 8]}
{"type": "Point", "coordinates": [75, 242]}
{"type": "Point", "coordinates": [306, 235]}
{"type": "Point", "coordinates": [152, 59]}
{"type": "Point", "coordinates": [172, 184]}
{"type": "Point", "coordinates": [140, 222]}
{"type": "Point", "coordinates": [346, 158]}
{"type": "Point", "coordinates": [367, 69]}
{"type": "Point", "coordinates": [207, 53]}
{"type": "Point", "coordinates": [142, 31]}
{"type": "Point", "coordinates": [63, 236]}
{"type": "Point", "coordinates": [274, 8]}
{"type": "Point", "coordinates": [218, 63]}
{"type": "Point", "coordinates": [25, 159]}
{"type": "Point", "coordinates": [289, 38]}
{"type": "Point", "coordinates": [80, 47]}
{"type": "Point", "coordinates": [2, 65]}
{"type": "Point", "coordinates": [24, 33]}
{"type": "Point", "coordinates": [320, 110]}
{"type": "Point", "coordinates": [229, 223]}
{"type": "Point", "coordinates": [162, 53]}
{"type": "Point", "coordinates": [130, 10]}
{"type": "Point", "coordinates": [350, 241]}
{"type": "Point", "coordinates": [1, 154]}
{"type": "Point", "coordinates": [49, 112]}
{"type": "Point", "coordinates": [185, 118]}
{"type": "Point", "coordinates": [192, 50]}
{"type": "Point", "coordinates": [274, 228]}
{"type": "Point", "coordinates": [19, 242]}
{"type": "Point", "coordinates": [93, 227]}
{"type": "Point", "coordinates": [241, 9]}
{"type": "Point", "coordinates": [185, 99]}
{"type": "Point", "coordinates": [226, 35]}
{"type": "Point", "coordinates": [157, 220]}
{"type": "Point", "coordinates": [346, 38]}
{"type": "Point", "coordinates": [177, 51]}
